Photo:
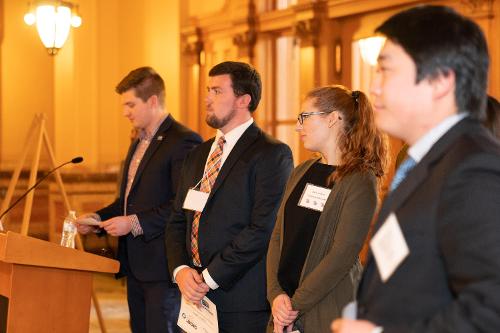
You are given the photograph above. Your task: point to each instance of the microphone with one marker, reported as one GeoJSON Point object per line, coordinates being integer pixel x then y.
{"type": "Point", "coordinates": [75, 160]}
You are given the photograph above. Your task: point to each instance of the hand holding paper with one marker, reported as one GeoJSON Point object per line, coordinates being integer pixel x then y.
{"type": "Point", "coordinates": [191, 285]}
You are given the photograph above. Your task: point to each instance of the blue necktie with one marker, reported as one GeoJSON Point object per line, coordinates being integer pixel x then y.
{"type": "Point", "coordinates": [402, 171]}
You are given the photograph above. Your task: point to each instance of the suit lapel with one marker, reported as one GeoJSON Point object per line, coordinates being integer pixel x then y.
{"type": "Point", "coordinates": [249, 136]}
{"type": "Point", "coordinates": [202, 160]}
{"type": "Point", "coordinates": [420, 172]}
{"type": "Point", "coordinates": [126, 166]}
{"type": "Point", "coordinates": [156, 141]}
{"type": "Point", "coordinates": [414, 178]}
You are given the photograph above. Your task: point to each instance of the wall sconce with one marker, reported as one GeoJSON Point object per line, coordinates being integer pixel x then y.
{"type": "Point", "coordinates": [338, 57]}
{"type": "Point", "coordinates": [54, 20]}
{"type": "Point", "coordinates": [370, 48]}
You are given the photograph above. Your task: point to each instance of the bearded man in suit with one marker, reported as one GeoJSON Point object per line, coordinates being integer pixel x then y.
{"type": "Point", "coordinates": [219, 249]}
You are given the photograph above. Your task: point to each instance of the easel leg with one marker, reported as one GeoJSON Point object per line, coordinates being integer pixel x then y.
{"type": "Point", "coordinates": [32, 180]}
{"type": "Point", "coordinates": [17, 171]}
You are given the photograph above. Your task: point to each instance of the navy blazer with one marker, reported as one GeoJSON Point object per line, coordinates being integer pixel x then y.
{"type": "Point", "coordinates": [448, 208]}
{"type": "Point", "coordinates": [150, 198]}
{"type": "Point", "coordinates": [237, 221]}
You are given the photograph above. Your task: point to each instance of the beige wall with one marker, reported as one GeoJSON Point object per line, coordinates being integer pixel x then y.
{"type": "Point", "coordinates": [27, 80]}
{"type": "Point", "coordinates": [75, 88]}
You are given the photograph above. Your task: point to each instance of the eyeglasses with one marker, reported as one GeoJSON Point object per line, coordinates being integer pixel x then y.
{"type": "Point", "coordinates": [304, 115]}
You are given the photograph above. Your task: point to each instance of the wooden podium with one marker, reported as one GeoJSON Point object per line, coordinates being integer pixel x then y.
{"type": "Point", "coordinates": [45, 287]}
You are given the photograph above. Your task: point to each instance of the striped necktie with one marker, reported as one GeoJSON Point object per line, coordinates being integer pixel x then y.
{"type": "Point", "coordinates": [209, 176]}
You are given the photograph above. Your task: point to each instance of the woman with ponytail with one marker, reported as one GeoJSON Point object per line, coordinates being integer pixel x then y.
{"type": "Point", "coordinates": [312, 263]}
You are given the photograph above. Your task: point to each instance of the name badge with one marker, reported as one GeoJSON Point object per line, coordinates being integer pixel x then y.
{"type": "Point", "coordinates": [314, 197]}
{"type": "Point", "coordinates": [195, 200]}
{"type": "Point", "coordinates": [389, 247]}
{"type": "Point", "coordinates": [350, 311]}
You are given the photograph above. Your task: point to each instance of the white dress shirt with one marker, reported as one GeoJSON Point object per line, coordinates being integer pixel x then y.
{"type": "Point", "coordinates": [418, 150]}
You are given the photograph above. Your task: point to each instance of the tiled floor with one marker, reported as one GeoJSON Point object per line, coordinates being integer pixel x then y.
{"type": "Point", "coordinates": [112, 298]}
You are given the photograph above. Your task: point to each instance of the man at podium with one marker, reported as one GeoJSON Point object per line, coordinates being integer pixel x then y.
{"type": "Point", "coordinates": [138, 216]}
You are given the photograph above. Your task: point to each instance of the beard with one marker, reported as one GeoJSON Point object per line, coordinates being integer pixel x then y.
{"type": "Point", "coordinates": [218, 123]}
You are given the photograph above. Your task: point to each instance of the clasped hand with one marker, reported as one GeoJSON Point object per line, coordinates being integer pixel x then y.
{"type": "Point", "coordinates": [191, 285]}
{"type": "Point", "coordinates": [283, 314]}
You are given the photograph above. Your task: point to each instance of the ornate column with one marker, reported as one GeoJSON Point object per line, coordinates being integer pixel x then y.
{"type": "Point", "coordinates": [245, 41]}
{"type": "Point", "coordinates": [192, 71]}
{"type": "Point", "coordinates": [309, 21]}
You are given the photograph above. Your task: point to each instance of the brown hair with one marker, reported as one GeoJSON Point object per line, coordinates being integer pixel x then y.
{"type": "Point", "coordinates": [146, 83]}
{"type": "Point", "coordinates": [362, 145]}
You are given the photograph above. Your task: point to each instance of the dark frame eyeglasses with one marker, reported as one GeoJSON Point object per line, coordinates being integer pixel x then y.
{"type": "Point", "coordinates": [304, 115]}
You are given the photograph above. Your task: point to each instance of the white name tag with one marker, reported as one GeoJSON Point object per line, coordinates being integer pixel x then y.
{"type": "Point", "coordinates": [350, 311]}
{"type": "Point", "coordinates": [198, 319]}
{"type": "Point", "coordinates": [389, 247]}
{"type": "Point", "coordinates": [195, 200]}
{"type": "Point", "coordinates": [314, 197]}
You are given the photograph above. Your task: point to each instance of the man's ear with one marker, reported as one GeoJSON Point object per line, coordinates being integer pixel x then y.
{"type": "Point", "coordinates": [443, 84]}
{"type": "Point", "coordinates": [244, 101]}
{"type": "Point", "coordinates": [153, 101]}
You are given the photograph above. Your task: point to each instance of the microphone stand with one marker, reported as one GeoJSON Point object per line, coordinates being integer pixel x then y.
{"type": "Point", "coordinates": [76, 160]}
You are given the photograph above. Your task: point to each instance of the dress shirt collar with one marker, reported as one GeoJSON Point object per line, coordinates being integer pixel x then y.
{"type": "Point", "coordinates": [144, 135]}
{"type": "Point", "coordinates": [233, 135]}
{"type": "Point", "coordinates": [418, 150]}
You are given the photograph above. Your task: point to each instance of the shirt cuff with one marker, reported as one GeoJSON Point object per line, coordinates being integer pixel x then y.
{"type": "Point", "coordinates": [136, 226]}
{"type": "Point", "coordinates": [377, 329]}
{"type": "Point", "coordinates": [177, 270]}
{"type": "Point", "coordinates": [208, 280]}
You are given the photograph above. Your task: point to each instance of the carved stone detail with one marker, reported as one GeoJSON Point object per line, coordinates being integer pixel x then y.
{"type": "Point", "coordinates": [193, 46]}
{"type": "Point", "coordinates": [246, 40]}
{"type": "Point", "coordinates": [479, 6]}
{"type": "Point", "coordinates": [308, 31]}
{"type": "Point", "coordinates": [309, 18]}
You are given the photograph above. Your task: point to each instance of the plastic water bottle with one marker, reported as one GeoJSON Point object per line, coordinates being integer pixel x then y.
{"type": "Point", "coordinates": [69, 230]}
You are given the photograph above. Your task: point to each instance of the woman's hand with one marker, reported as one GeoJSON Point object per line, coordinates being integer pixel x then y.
{"type": "Point", "coordinates": [283, 313]}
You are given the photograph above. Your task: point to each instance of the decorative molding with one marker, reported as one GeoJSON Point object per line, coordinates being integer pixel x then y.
{"type": "Point", "coordinates": [193, 46]}
{"type": "Point", "coordinates": [342, 8]}
{"type": "Point", "coordinates": [307, 31]}
{"type": "Point", "coordinates": [476, 4]}
{"type": "Point", "coordinates": [308, 20]}
{"type": "Point", "coordinates": [246, 40]}
{"type": "Point", "coordinates": [479, 7]}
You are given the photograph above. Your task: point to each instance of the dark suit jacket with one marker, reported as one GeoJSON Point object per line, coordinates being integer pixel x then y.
{"type": "Point", "coordinates": [150, 197]}
{"type": "Point", "coordinates": [237, 220]}
{"type": "Point", "coordinates": [448, 208]}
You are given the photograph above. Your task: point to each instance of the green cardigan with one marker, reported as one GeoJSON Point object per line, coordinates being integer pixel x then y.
{"type": "Point", "coordinates": [331, 270]}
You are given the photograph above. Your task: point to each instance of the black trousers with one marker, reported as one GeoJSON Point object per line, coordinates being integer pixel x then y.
{"type": "Point", "coordinates": [243, 322]}
{"type": "Point", "coordinates": [153, 306]}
